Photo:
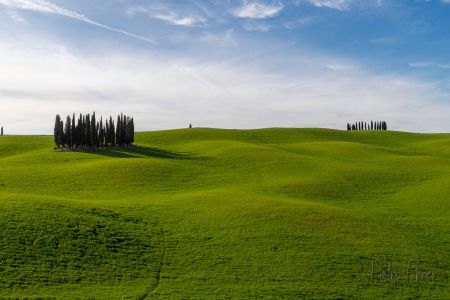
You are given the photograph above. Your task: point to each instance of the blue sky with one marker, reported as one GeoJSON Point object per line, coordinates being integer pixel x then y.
{"type": "Point", "coordinates": [228, 63]}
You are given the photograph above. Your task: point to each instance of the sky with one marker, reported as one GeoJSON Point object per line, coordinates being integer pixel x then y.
{"type": "Point", "coordinates": [226, 63]}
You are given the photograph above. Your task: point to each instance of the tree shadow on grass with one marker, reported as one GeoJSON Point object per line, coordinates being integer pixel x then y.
{"type": "Point", "coordinates": [144, 152]}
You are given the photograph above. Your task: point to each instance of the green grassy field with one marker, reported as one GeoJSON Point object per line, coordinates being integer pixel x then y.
{"type": "Point", "coordinates": [209, 213]}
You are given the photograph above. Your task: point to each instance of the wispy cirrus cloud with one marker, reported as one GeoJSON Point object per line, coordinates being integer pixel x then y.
{"type": "Point", "coordinates": [424, 64]}
{"type": "Point", "coordinates": [258, 10]}
{"type": "Point", "coordinates": [334, 4]}
{"type": "Point", "coordinates": [14, 15]}
{"type": "Point", "coordinates": [343, 5]}
{"type": "Point", "coordinates": [44, 6]}
{"type": "Point", "coordinates": [252, 26]}
{"type": "Point", "coordinates": [174, 19]}
{"type": "Point", "coordinates": [167, 15]}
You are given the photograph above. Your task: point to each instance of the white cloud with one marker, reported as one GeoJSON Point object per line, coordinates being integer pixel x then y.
{"type": "Point", "coordinates": [38, 82]}
{"type": "Point", "coordinates": [258, 10]}
{"type": "Point", "coordinates": [15, 16]}
{"type": "Point", "coordinates": [420, 64]}
{"type": "Point", "coordinates": [334, 4]}
{"type": "Point", "coordinates": [220, 39]}
{"type": "Point", "coordinates": [165, 14]}
{"type": "Point", "coordinates": [44, 6]}
{"type": "Point", "coordinates": [343, 5]}
{"type": "Point", "coordinates": [174, 19]}
{"type": "Point", "coordinates": [257, 26]}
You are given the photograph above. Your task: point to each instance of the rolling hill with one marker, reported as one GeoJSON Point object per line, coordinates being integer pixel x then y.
{"type": "Point", "coordinates": [212, 213]}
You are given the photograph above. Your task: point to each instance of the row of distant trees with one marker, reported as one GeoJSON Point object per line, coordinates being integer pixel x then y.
{"type": "Point", "coordinates": [88, 133]}
{"type": "Point", "coordinates": [373, 125]}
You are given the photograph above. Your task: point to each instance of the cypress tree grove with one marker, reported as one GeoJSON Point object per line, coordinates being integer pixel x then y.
{"type": "Point", "coordinates": [86, 133]}
{"type": "Point", "coordinates": [361, 125]}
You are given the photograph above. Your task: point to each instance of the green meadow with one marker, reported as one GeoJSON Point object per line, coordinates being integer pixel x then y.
{"type": "Point", "coordinates": [210, 213]}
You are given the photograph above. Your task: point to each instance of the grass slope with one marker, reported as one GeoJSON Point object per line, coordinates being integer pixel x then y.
{"type": "Point", "coordinates": [204, 213]}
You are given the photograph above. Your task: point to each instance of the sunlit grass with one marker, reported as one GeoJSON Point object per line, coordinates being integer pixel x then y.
{"type": "Point", "coordinates": [208, 213]}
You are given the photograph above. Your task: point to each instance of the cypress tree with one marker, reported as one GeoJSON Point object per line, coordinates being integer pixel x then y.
{"type": "Point", "coordinates": [132, 130]}
{"type": "Point", "coordinates": [92, 139]}
{"type": "Point", "coordinates": [88, 131]}
{"type": "Point", "coordinates": [122, 130]}
{"type": "Point", "coordinates": [97, 135]}
{"type": "Point", "coordinates": [56, 132]}
{"type": "Point", "coordinates": [74, 132]}
{"type": "Point", "coordinates": [68, 132]}
{"type": "Point", "coordinates": [80, 132]}
{"type": "Point", "coordinates": [61, 133]}
{"type": "Point", "coordinates": [101, 133]}
{"type": "Point", "coordinates": [107, 133]}
{"type": "Point", "coordinates": [118, 131]}
{"type": "Point", "coordinates": [113, 133]}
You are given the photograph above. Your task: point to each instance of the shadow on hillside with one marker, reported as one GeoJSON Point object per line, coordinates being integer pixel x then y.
{"type": "Point", "coordinates": [140, 152]}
